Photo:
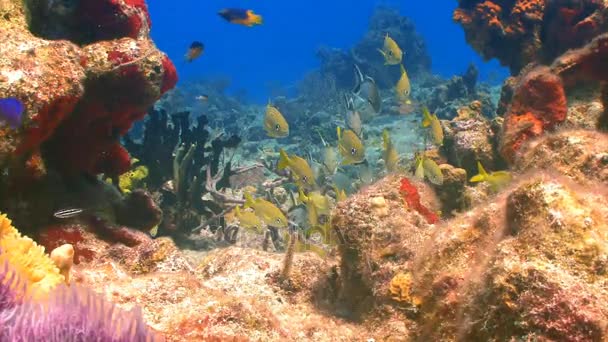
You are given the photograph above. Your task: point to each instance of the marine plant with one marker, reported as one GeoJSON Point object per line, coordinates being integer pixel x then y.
{"type": "Point", "coordinates": [182, 160]}
{"type": "Point", "coordinates": [35, 306]}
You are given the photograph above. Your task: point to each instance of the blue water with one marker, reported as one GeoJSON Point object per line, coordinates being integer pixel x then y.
{"type": "Point", "coordinates": [283, 48]}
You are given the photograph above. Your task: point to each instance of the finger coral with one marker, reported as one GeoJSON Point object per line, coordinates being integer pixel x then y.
{"type": "Point", "coordinates": [28, 259]}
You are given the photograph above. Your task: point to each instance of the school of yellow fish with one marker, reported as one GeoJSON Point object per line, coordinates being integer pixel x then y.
{"type": "Point", "coordinates": [350, 150]}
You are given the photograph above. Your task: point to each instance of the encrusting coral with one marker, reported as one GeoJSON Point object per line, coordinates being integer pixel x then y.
{"type": "Point", "coordinates": [35, 267]}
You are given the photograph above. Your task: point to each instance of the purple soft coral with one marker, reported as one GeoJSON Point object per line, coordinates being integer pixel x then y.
{"type": "Point", "coordinates": [73, 314]}
{"type": "Point", "coordinates": [12, 288]}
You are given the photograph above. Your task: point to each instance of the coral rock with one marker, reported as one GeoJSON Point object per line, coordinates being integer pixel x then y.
{"type": "Point", "coordinates": [519, 32]}
{"type": "Point", "coordinates": [581, 155]}
{"type": "Point", "coordinates": [80, 98]}
{"type": "Point", "coordinates": [538, 104]}
{"type": "Point", "coordinates": [366, 271]}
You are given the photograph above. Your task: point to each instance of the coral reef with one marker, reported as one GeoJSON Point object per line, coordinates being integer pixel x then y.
{"type": "Point", "coordinates": [384, 21]}
{"type": "Point", "coordinates": [371, 246]}
{"type": "Point", "coordinates": [197, 159]}
{"type": "Point", "coordinates": [470, 138]}
{"type": "Point", "coordinates": [28, 258]}
{"type": "Point", "coordinates": [538, 99]}
{"type": "Point", "coordinates": [519, 32]}
{"type": "Point", "coordinates": [80, 98]}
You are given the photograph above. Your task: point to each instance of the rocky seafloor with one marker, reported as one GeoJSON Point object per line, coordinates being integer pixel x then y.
{"type": "Point", "coordinates": [400, 259]}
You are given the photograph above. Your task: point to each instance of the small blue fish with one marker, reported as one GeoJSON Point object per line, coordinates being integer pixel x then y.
{"type": "Point", "coordinates": [10, 111]}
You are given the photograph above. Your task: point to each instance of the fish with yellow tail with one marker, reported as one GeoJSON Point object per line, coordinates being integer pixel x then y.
{"type": "Point", "coordinates": [391, 51]}
{"type": "Point", "coordinates": [426, 167]}
{"type": "Point", "coordinates": [300, 169]}
{"type": "Point", "coordinates": [340, 194]}
{"type": "Point", "coordinates": [248, 220]}
{"type": "Point", "coordinates": [266, 211]}
{"type": "Point", "coordinates": [496, 179]}
{"type": "Point", "coordinates": [275, 124]}
{"type": "Point", "coordinates": [389, 154]}
{"type": "Point", "coordinates": [350, 147]}
{"type": "Point", "coordinates": [431, 120]}
{"type": "Point", "coordinates": [403, 87]}
{"type": "Point", "coordinates": [241, 16]}
{"type": "Point", "coordinates": [316, 205]}
{"type": "Point", "coordinates": [353, 118]}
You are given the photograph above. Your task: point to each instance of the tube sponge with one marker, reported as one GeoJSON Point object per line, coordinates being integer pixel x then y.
{"type": "Point", "coordinates": [73, 314]}
{"type": "Point", "coordinates": [28, 260]}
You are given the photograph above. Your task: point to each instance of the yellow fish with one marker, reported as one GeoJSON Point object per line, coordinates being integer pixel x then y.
{"type": "Point", "coordinates": [403, 87]}
{"type": "Point", "coordinates": [496, 179]}
{"type": "Point", "coordinates": [427, 167]}
{"type": "Point", "coordinates": [266, 211]}
{"type": "Point", "coordinates": [351, 148]}
{"type": "Point", "coordinates": [340, 194]}
{"type": "Point", "coordinates": [391, 51]}
{"type": "Point", "coordinates": [248, 220]}
{"type": "Point", "coordinates": [241, 16]}
{"type": "Point", "coordinates": [274, 123]}
{"type": "Point", "coordinates": [316, 205]}
{"type": "Point", "coordinates": [299, 167]}
{"type": "Point", "coordinates": [390, 155]}
{"type": "Point", "coordinates": [330, 160]}
{"type": "Point", "coordinates": [436, 129]}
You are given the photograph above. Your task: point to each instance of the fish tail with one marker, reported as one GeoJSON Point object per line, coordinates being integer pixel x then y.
{"type": "Point", "coordinates": [248, 200]}
{"type": "Point", "coordinates": [254, 18]}
{"type": "Point", "coordinates": [426, 122]}
{"type": "Point", "coordinates": [481, 176]}
{"type": "Point", "coordinates": [237, 211]}
{"type": "Point", "coordinates": [339, 132]}
{"type": "Point", "coordinates": [283, 160]}
{"type": "Point", "coordinates": [402, 68]}
{"type": "Point", "coordinates": [301, 196]}
{"type": "Point", "coordinates": [386, 139]}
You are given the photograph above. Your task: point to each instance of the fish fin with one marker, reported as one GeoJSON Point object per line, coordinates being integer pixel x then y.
{"type": "Point", "coordinates": [481, 169]}
{"type": "Point", "coordinates": [386, 139]}
{"type": "Point", "coordinates": [248, 200]}
{"type": "Point", "coordinates": [283, 160]}
{"type": "Point", "coordinates": [383, 55]}
{"type": "Point", "coordinates": [419, 173]}
{"type": "Point", "coordinates": [237, 211]}
{"type": "Point", "coordinates": [301, 196]}
{"type": "Point", "coordinates": [358, 79]}
{"type": "Point", "coordinates": [402, 69]}
{"type": "Point", "coordinates": [481, 176]}
{"type": "Point", "coordinates": [426, 121]}
{"type": "Point", "coordinates": [339, 132]}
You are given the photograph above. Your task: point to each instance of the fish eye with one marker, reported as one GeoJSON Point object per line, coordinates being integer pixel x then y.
{"type": "Point", "coordinates": [305, 179]}
{"type": "Point", "coordinates": [279, 220]}
{"type": "Point", "coordinates": [353, 151]}
{"type": "Point", "coordinates": [277, 127]}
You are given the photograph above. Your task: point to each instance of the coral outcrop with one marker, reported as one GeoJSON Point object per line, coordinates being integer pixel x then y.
{"type": "Point", "coordinates": [83, 92]}
{"type": "Point", "coordinates": [518, 32]}
{"type": "Point", "coordinates": [373, 246]}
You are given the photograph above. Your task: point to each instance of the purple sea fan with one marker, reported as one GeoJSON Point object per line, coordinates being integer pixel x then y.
{"type": "Point", "coordinates": [12, 287]}
{"type": "Point", "coordinates": [73, 314]}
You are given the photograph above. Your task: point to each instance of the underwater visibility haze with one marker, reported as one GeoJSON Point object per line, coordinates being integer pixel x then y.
{"type": "Point", "coordinates": [303, 170]}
